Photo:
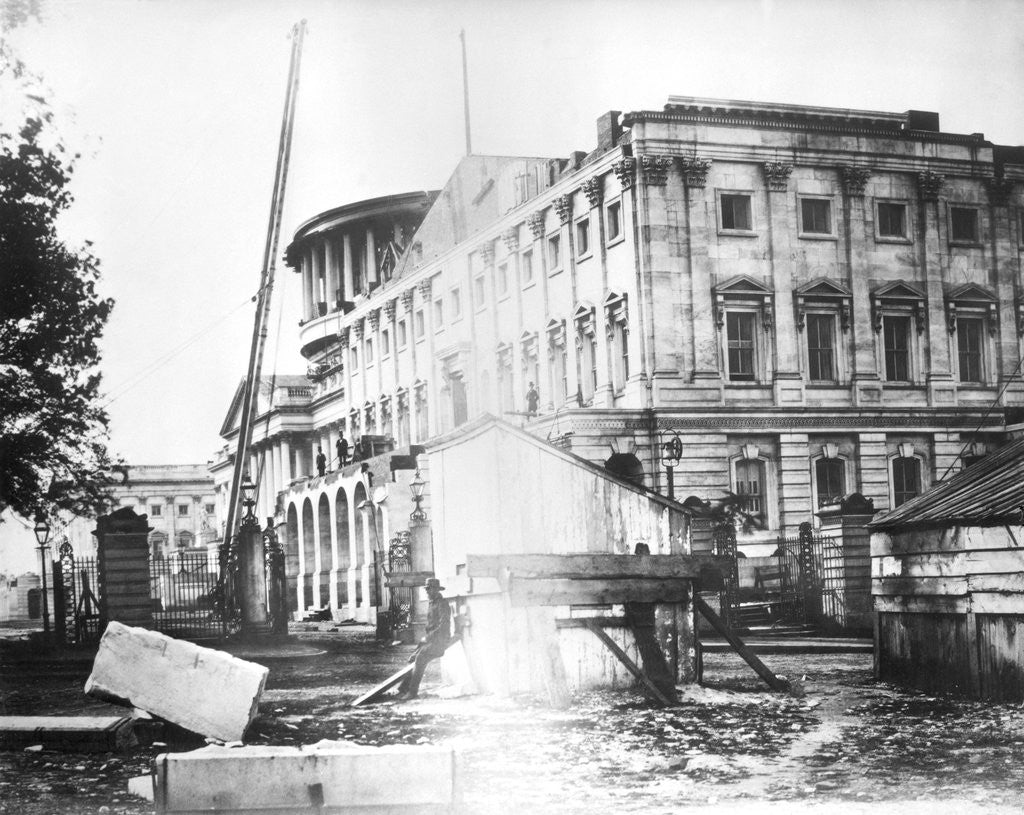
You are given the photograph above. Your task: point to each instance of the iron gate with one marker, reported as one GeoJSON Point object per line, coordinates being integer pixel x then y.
{"type": "Point", "coordinates": [400, 600]}
{"type": "Point", "coordinates": [76, 607]}
{"type": "Point", "coordinates": [183, 592]}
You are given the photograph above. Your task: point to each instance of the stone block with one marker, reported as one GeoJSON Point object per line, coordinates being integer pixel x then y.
{"type": "Point", "coordinates": [325, 777]}
{"type": "Point", "coordinates": [77, 734]}
{"type": "Point", "coordinates": [200, 689]}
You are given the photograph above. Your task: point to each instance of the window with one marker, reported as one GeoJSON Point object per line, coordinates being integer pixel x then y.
{"type": "Point", "coordinates": [554, 258]}
{"type": "Point", "coordinates": [479, 292]}
{"type": "Point", "coordinates": [736, 212]}
{"type": "Point", "coordinates": [617, 315]}
{"type": "Point", "coordinates": [369, 352]}
{"type": "Point", "coordinates": [963, 224]}
{"type": "Point", "coordinates": [558, 357]}
{"type": "Point", "coordinates": [182, 509]}
{"type": "Point", "coordinates": [210, 508]}
{"type": "Point", "coordinates": [891, 220]}
{"type": "Point", "coordinates": [156, 510]}
{"type": "Point", "coordinates": [502, 277]}
{"type": "Point", "coordinates": [456, 298]}
{"type": "Point", "coordinates": [403, 337]}
{"type": "Point", "coordinates": [421, 324]}
{"type": "Point", "coordinates": [750, 486]}
{"type": "Point", "coordinates": [184, 540]}
{"type": "Point", "coordinates": [815, 216]}
{"type": "Point", "coordinates": [385, 342]}
{"type": "Point", "coordinates": [354, 353]}
{"type": "Point", "coordinates": [583, 237]}
{"type": "Point", "coordinates": [821, 352]}
{"type": "Point", "coordinates": [438, 313]}
{"type": "Point", "coordinates": [526, 267]}
{"type": "Point", "coordinates": [613, 217]}
{"type": "Point", "coordinates": [906, 479]}
{"type": "Point", "coordinates": [896, 343]}
{"type": "Point", "coordinates": [741, 344]}
{"type": "Point", "coordinates": [829, 480]}
{"type": "Point", "coordinates": [970, 349]}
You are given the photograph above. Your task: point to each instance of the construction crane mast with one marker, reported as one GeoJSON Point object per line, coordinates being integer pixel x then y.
{"type": "Point", "coordinates": [262, 298]}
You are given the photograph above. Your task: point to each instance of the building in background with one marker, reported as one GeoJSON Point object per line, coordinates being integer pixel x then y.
{"type": "Point", "coordinates": [178, 499]}
{"type": "Point", "coordinates": [815, 301]}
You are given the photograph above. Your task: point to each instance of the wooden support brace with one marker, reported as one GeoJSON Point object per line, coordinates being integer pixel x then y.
{"type": "Point", "coordinates": [544, 637]}
{"type": "Point", "coordinates": [774, 682]}
{"type": "Point", "coordinates": [631, 666]}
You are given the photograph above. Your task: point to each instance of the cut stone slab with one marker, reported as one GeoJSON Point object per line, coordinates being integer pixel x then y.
{"type": "Point", "coordinates": [329, 776]}
{"type": "Point", "coordinates": [142, 786]}
{"type": "Point", "coordinates": [200, 689]}
{"type": "Point", "coordinates": [77, 734]}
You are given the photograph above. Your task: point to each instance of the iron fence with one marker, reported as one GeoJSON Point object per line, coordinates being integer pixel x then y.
{"type": "Point", "coordinates": [76, 607]}
{"type": "Point", "coordinates": [183, 590]}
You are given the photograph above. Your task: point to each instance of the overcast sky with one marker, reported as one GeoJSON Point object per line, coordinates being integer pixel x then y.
{"type": "Point", "coordinates": [176, 107]}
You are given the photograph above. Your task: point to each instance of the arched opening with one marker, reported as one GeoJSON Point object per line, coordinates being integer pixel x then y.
{"type": "Point", "coordinates": [291, 548]}
{"type": "Point", "coordinates": [358, 496]}
{"type": "Point", "coordinates": [308, 551]}
{"type": "Point", "coordinates": [626, 466]}
{"type": "Point", "coordinates": [324, 517]}
{"type": "Point", "coordinates": [341, 531]}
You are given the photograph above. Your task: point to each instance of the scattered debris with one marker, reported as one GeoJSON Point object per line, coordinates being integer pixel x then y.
{"type": "Point", "coordinates": [200, 689]}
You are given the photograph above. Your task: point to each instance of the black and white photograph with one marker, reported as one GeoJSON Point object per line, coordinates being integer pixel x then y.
{"type": "Point", "coordinates": [563, 407]}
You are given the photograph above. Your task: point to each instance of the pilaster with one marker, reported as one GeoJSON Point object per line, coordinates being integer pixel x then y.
{"type": "Point", "coordinates": [794, 480]}
{"type": "Point", "coordinates": [934, 256]}
{"type": "Point", "coordinates": [867, 388]}
{"type": "Point", "coordinates": [874, 469]}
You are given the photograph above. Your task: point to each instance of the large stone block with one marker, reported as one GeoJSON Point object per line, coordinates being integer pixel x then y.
{"type": "Point", "coordinates": [79, 734]}
{"type": "Point", "coordinates": [201, 689]}
{"type": "Point", "coordinates": [324, 777]}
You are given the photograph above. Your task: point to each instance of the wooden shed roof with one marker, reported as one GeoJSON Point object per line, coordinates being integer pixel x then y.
{"type": "Point", "coordinates": [988, 493]}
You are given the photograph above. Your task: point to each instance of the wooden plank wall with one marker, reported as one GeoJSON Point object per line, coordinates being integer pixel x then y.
{"type": "Point", "coordinates": [951, 609]}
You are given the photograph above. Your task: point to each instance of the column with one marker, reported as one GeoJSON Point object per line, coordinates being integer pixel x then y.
{"type": "Point", "coordinates": [319, 294]}
{"type": "Point", "coordinates": [347, 270]}
{"type": "Point", "coordinates": [874, 469]}
{"type": "Point", "coordinates": [371, 258]}
{"type": "Point", "coordinates": [333, 574]}
{"type": "Point", "coordinates": [331, 262]}
{"type": "Point", "coordinates": [782, 224]}
{"type": "Point", "coordinates": [794, 480]}
{"type": "Point", "coordinates": [867, 388]}
{"type": "Point", "coordinates": [300, 585]}
{"type": "Point", "coordinates": [271, 472]}
{"type": "Point", "coordinates": [698, 229]}
{"type": "Point", "coordinates": [307, 285]}
{"type": "Point", "coordinates": [314, 569]}
{"type": "Point", "coordinates": [941, 390]}
{"type": "Point", "coordinates": [286, 462]}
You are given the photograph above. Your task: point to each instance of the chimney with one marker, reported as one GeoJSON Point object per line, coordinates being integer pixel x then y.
{"type": "Point", "coordinates": [609, 131]}
{"type": "Point", "coordinates": [922, 120]}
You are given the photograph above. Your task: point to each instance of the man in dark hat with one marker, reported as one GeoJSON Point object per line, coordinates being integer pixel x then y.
{"type": "Point", "coordinates": [438, 635]}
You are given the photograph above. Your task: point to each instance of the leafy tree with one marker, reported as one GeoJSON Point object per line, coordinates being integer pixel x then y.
{"type": "Point", "coordinates": [53, 430]}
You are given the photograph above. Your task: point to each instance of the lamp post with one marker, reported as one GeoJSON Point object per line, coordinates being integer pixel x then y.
{"type": "Point", "coordinates": [42, 531]}
{"type": "Point", "coordinates": [670, 447]}
{"type": "Point", "coordinates": [417, 485]}
{"type": "Point", "coordinates": [249, 502]}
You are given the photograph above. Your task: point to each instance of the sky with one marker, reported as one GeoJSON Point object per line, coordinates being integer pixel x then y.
{"type": "Point", "coordinates": [176, 108]}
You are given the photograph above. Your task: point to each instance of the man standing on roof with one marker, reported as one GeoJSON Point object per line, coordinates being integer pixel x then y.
{"type": "Point", "coordinates": [434, 644]}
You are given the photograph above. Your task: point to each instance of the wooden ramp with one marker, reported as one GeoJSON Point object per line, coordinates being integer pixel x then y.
{"type": "Point", "coordinates": [374, 693]}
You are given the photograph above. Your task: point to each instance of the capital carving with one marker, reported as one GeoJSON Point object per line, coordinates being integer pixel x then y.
{"type": "Point", "coordinates": [374, 317]}
{"type": "Point", "coordinates": [563, 206]}
{"type": "Point", "coordinates": [536, 224]}
{"type": "Point", "coordinates": [654, 169]}
{"type": "Point", "coordinates": [695, 170]}
{"type": "Point", "coordinates": [425, 286]}
{"type": "Point", "coordinates": [625, 171]}
{"type": "Point", "coordinates": [777, 174]}
{"type": "Point", "coordinates": [511, 238]}
{"type": "Point", "coordinates": [594, 190]}
{"type": "Point", "coordinates": [486, 250]}
{"type": "Point", "coordinates": [999, 190]}
{"type": "Point", "coordinates": [343, 336]}
{"type": "Point", "coordinates": [407, 296]}
{"type": "Point", "coordinates": [855, 179]}
{"type": "Point", "coordinates": [929, 185]}
{"type": "Point", "coordinates": [390, 307]}
{"type": "Point", "coordinates": [359, 328]}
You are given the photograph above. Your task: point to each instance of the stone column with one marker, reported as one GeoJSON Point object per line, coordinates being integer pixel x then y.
{"type": "Point", "coordinates": [422, 561]}
{"type": "Point", "coordinates": [371, 258]}
{"type": "Point", "coordinates": [252, 575]}
{"type": "Point", "coordinates": [347, 269]}
{"type": "Point", "coordinates": [307, 285]}
{"type": "Point", "coordinates": [782, 225]}
{"type": "Point", "coordinates": [319, 295]}
{"type": "Point", "coordinates": [270, 473]}
{"type": "Point", "coordinates": [331, 262]}
{"type": "Point", "coordinates": [286, 461]}
{"type": "Point", "coordinates": [933, 240]}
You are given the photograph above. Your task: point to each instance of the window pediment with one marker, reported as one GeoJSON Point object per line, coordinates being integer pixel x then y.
{"type": "Point", "coordinates": [975, 301]}
{"type": "Point", "coordinates": [897, 296]}
{"type": "Point", "coordinates": [616, 307]}
{"type": "Point", "coordinates": [584, 320]}
{"type": "Point", "coordinates": [556, 332]}
{"type": "Point", "coordinates": [746, 290]}
{"type": "Point", "coordinates": [823, 292]}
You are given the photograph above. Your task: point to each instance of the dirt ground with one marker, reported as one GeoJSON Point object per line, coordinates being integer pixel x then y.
{"type": "Point", "coordinates": [850, 745]}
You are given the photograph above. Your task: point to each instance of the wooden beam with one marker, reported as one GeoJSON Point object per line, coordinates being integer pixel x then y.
{"type": "Point", "coordinates": [596, 565]}
{"type": "Point", "coordinates": [406, 580]}
{"type": "Point", "coordinates": [377, 691]}
{"type": "Point", "coordinates": [602, 622]}
{"type": "Point", "coordinates": [774, 682]}
{"type": "Point", "coordinates": [649, 686]}
{"type": "Point", "coordinates": [567, 592]}
{"type": "Point", "coordinates": [544, 642]}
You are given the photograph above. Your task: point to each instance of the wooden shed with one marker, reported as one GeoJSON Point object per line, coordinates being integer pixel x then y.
{"type": "Point", "coordinates": [948, 583]}
{"type": "Point", "coordinates": [495, 491]}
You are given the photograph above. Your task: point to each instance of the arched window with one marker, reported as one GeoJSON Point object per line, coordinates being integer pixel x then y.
{"type": "Point", "coordinates": [184, 540]}
{"type": "Point", "coordinates": [750, 486]}
{"type": "Point", "coordinates": [829, 480]}
{"type": "Point", "coordinates": [906, 479]}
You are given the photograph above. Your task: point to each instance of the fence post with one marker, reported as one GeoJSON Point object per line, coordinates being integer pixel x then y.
{"type": "Point", "coordinates": [123, 568]}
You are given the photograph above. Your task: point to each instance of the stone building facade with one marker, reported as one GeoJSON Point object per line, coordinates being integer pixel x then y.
{"type": "Point", "coordinates": [814, 301]}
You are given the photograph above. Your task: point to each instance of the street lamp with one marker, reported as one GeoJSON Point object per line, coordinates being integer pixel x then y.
{"type": "Point", "coordinates": [417, 486]}
{"type": "Point", "coordinates": [249, 501]}
{"type": "Point", "coordinates": [42, 530]}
